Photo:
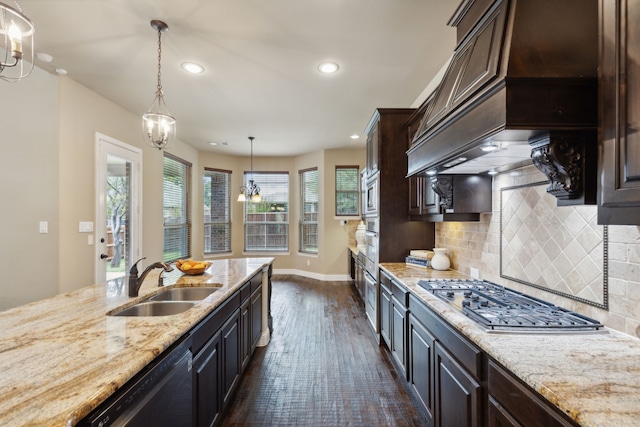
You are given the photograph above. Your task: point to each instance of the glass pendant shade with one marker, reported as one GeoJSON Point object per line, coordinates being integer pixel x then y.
{"type": "Point", "coordinates": [16, 41]}
{"type": "Point", "coordinates": [158, 125]}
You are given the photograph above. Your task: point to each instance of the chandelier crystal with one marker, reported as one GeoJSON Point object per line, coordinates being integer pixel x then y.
{"type": "Point", "coordinates": [16, 35]}
{"type": "Point", "coordinates": [250, 191]}
{"type": "Point", "coordinates": [158, 125]}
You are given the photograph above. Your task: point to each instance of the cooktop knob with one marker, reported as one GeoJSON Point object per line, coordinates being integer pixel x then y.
{"type": "Point", "coordinates": [450, 294]}
{"type": "Point", "coordinates": [467, 294]}
{"type": "Point", "coordinates": [484, 303]}
{"type": "Point", "coordinates": [466, 303]}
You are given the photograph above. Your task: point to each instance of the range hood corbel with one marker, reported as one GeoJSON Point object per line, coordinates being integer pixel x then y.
{"type": "Point", "coordinates": [566, 159]}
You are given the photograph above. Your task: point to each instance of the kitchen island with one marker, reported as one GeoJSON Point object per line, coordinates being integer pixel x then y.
{"type": "Point", "coordinates": [593, 378]}
{"type": "Point", "coordinates": [63, 356]}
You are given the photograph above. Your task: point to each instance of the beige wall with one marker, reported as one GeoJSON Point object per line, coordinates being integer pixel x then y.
{"type": "Point", "coordinates": [29, 190]}
{"type": "Point", "coordinates": [477, 245]}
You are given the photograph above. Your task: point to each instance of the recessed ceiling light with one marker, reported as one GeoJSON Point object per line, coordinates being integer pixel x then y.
{"type": "Point", "coordinates": [355, 136]}
{"type": "Point", "coordinates": [431, 172]}
{"type": "Point", "coordinates": [328, 67]}
{"type": "Point", "coordinates": [493, 172]}
{"type": "Point", "coordinates": [213, 144]}
{"type": "Point", "coordinates": [192, 67]}
{"type": "Point", "coordinates": [44, 57]}
{"type": "Point", "coordinates": [61, 71]}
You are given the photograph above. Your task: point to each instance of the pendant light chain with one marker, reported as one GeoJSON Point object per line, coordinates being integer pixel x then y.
{"type": "Point", "coordinates": [159, 88]}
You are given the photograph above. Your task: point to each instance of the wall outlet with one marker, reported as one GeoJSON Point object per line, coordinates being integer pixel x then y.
{"type": "Point", "coordinates": [474, 272]}
{"type": "Point", "coordinates": [308, 263]}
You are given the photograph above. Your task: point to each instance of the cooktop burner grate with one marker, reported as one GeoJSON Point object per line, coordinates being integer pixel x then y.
{"type": "Point", "coordinates": [501, 309]}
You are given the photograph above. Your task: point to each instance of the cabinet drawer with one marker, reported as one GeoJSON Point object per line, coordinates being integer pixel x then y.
{"type": "Point", "coordinates": [520, 402]}
{"type": "Point", "coordinates": [467, 354]}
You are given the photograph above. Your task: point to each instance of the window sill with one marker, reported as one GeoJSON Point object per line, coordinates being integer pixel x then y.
{"type": "Point", "coordinates": [347, 218]}
{"type": "Point", "coordinates": [261, 254]}
{"type": "Point", "coordinates": [308, 254]}
{"type": "Point", "coordinates": [218, 255]}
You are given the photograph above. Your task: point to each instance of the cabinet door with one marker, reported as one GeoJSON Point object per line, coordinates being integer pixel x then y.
{"type": "Point", "coordinates": [415, 195]}
{"type": "Point", "coordinates": [373, 144]}
{"type": "Point", "coordinates": [245, 332]}
{"type": "Point", "coordinates": [399, 334]}
{"type": "Point", "coordinates": [206, 381]}
{"type": "Point", "coordinates": [420, 363]}
{"type": "Point", "coordinates": [385, 315]}
{"type": "Point", "coordinates": [619, 162]}
{"type": "Point", "coordinates": [256, 318]}
{"type": "Point", "coordinates": [457, 394]}
{"type": "Point", "coordinates": [230, 354]}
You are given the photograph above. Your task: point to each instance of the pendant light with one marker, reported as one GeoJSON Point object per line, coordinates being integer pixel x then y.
{"type": "Point", "coordinates": [250, 191]}
{"type": "Point", "coordinates": [158, 125]}
{"type": "Point", "coordinates": [16, 40]}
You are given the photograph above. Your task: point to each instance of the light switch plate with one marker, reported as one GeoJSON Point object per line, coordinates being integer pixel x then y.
{"type": "Point", "coordinates": [85, 227]}
{"type": "Point", "coordinates": [44, 227]}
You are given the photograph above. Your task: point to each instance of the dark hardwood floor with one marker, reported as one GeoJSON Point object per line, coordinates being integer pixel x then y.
{"type": "Point", "coordinates": [322, 367]}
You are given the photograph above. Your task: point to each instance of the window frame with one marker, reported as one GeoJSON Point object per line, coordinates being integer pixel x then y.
{"type": "Point", "coordinates": [185, 196]}
{"type": "Point", "coordinates": [228, 223]}
{"type": "Point", "coordinates": [357, 192]}
{"type": "Point", "coordinates": [306, 226]}
{"type": "Point", "coordinates": [265, 189]}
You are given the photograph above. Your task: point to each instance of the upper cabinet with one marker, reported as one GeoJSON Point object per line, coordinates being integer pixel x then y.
{"type": "Point", "coordinates": [619, 161]}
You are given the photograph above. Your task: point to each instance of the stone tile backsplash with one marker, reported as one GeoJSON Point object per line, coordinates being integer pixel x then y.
{"type": "Point", "coordinates": [477, 245]}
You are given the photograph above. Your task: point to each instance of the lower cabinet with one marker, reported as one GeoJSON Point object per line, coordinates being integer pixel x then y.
{"type": "Point", "coordinates": [421, 364]}
{"type": "Point", "coordinates": [393, 320]}
{"type": "Point", "coordinates": [512, 403]}
{"type": "Point", "coordinates": [222, 345]}
{"type": "Point", "coordinates": [458, 394]}
{"type": "Point", "coordinates": [206, 371]}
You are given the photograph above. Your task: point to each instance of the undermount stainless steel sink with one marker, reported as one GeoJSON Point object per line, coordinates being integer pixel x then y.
{"type": "Point", "coordinates": [184, 294]}
{"type": "Point", "coordinates": [156, 308]}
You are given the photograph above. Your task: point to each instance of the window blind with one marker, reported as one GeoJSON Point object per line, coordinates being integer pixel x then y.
{"type": "Point", "coordinates": [347, 191]}
{"type": "Point", "coordinates": [309, 205]}
{"type": "Point", "coordinates": [217, 211]}
{"type": "Point", "coordinates": [176, 208]}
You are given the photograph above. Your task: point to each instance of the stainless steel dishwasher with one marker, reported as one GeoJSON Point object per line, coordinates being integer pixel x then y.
{"type": "Point", "coordinates": [161, 395]}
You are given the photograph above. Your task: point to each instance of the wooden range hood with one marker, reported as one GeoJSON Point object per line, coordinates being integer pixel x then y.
{"type": "Point", "coordinates": [523, 72]}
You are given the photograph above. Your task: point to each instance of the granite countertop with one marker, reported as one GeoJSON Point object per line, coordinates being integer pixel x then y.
{"type": "Point", "coordinates": [63, 356]}
{"type": "Point", "coordinates": [594, 377]}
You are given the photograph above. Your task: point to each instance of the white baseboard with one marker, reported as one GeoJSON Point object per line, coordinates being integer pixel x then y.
{"type": "Point", "coordinates": [311, 275]}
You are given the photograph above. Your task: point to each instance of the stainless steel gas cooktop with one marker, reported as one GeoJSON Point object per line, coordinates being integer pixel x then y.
{"type": "Point", "coordinates": [500, 309]}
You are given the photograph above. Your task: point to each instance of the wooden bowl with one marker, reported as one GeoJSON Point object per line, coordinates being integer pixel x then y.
{"type": "Point", "coordinates": [194, 271]}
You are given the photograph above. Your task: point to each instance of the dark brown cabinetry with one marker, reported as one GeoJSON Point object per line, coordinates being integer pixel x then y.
{"type": "Point", "coordinates": [222, 345]}
{"type": "Point", "coordinates": [445, 369]}
{"type": "Point", "coordinates": [393, 320]}
{"type": "Point", "coordinates": [619, 161]}
{"type": "Point", "coordinates": [451, 197]}
{"type": "Point", "coordinates": [512, 403]}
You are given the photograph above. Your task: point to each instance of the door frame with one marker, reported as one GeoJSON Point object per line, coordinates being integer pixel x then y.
{"type": "Point", "coordinates": [105, 145]}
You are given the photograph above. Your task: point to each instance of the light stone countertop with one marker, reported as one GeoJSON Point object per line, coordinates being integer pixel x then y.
{"type": "Point", "coordinates": [63, 356]}
{"type": "Point", "coordinates": [594, 377]}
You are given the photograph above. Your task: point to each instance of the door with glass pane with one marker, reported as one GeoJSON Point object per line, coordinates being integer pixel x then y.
{"type": "Point", "coordinates": [117, 231]}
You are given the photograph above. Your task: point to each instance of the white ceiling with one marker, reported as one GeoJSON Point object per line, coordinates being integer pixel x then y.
{"type": "Point", "coordinates": [261, 59]}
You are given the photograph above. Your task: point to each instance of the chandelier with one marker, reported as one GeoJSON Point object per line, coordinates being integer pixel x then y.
{"type": "Point", "coordinates": [16, 33]}
{"type": "Point", "coordinates": [158, 125]}
{"type": "Point", "coordinates": [250, 191]}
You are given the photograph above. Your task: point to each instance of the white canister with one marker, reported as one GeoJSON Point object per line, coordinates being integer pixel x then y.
{"type": "Point", "coordinates": [361, 235]}
{"type": "Point", "coordinates": [440, 260]}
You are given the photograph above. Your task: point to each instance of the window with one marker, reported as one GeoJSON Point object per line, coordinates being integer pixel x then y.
{"type": "Point", "coordinates": [266, 224]}
{"type": "Point", "coordinates": [309, 211]}
{"type": "Point", "coordinates": [347, 191]}
{"type": "Point", "coordinates": [217, 211]}
{"type": "Point", "coordinates": [176, 208]}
